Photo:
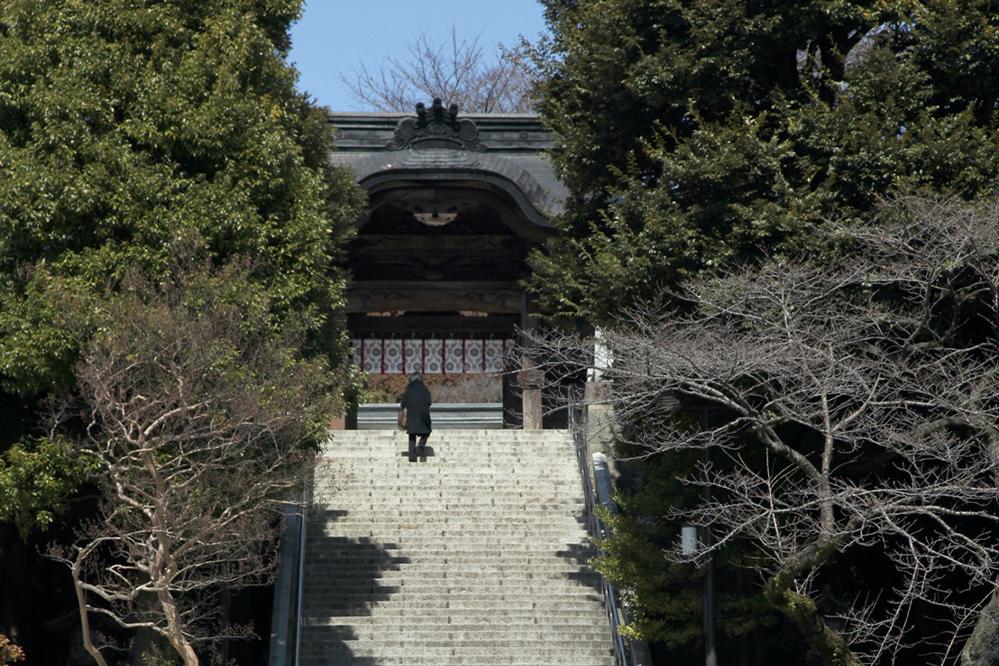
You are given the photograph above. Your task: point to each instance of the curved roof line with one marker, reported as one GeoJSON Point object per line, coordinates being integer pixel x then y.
{"type": "Point", "coordinates": [442, 165]}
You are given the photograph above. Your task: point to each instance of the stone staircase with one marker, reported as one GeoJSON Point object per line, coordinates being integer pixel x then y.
{"type": "Point", "coordinates": [447, 416]}
{"type": "Point", "coordinates": [474, 556]}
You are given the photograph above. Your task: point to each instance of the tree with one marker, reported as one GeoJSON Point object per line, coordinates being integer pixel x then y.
{"type": "Point", "coordinates": [457, 72]}
{"type": "Point", "coordinates": [666, 599]}
{"type": "Point", "coordinates": [132, 132]}
{"type": "Point", "coordinates": [199, 421]}
{"type": "Point", "coordinates": [145, 125]}
{"type": "Point", "coordinates": [699, 134]}
{"type": "Point", "coordinates": [855, 409]}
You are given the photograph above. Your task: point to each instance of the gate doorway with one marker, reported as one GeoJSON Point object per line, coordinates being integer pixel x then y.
{"type": "Point", "coordinates": [456, 204]}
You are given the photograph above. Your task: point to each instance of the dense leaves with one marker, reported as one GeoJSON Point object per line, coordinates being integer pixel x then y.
{"type": "Point", "coordinates": [35, 477]}
{"type": "Point", "coordinates": [128, 128]}
{"type": "Point", "coordinates": [135, 135]}
{"type": "Point", "coordinates": [695, 134]}
{"type": "Point", "coordinates": [848, 412]}
{"type": "Point", "coordinates": [667, 600]}
{"type": "Point", "coordinates": [130, 131]}
{"type": "Point", "coordinates": [700, 135]}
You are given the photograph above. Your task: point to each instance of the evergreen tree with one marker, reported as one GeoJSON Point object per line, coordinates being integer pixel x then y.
{"type": "Point", "coordinates": [128, 128]}
{"type": "Point", "coordinates": [131, 129]}
{"type": "Point", "coordinates": [701, 134]}
{"type": "Point", "coordinates": [694, 134]}
{"type": "Point", "coordinates": [134, 133]}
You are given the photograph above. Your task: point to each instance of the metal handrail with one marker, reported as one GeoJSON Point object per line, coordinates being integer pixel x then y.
{"type": "Point", "coordinates": [303, 522]}
{"type": "Point", "coordinates": [598, 531]}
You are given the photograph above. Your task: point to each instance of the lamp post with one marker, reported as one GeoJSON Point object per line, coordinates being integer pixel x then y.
{"type": "Point", "coordinates": [707, 541]}
{"type": "Point", "coordinates": [710, 656]}
{"type": "Point", "coordinates": [699, 539]}
{"type": "Point", "coordinates": [695, 540]}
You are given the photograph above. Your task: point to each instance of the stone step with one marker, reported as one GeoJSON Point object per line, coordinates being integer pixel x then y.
{"type": "Point", "coordinates": [454, 564]}
{"type": "Point", "coordinates": [417, 537]}
{"type": "Point", "coordinates": [446, 596]}
{"type": "Point", "coordinates": [451, 640]}
{"type": "Point", "coordinates": [559, 651]}
{"type": "Point", "coordinates": [574, 619]}
{"type": "Point", "coordinates": [452, 416]}
{"type": "Point", "coordinates": [505, 514]}
{"type": "Point", "coordinates": [441, 553]}
{"type": "Point", "coordinates": [475, 556]}
{"type": "Point", "coordinates": [511, 620]}
{"type": "Point", "coordinates": [343, 656]}
{"type": "Point", "coordinates": [410, 583]}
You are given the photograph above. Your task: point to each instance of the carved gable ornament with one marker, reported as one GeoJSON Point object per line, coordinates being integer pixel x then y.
{"type": "Point", "coordinates": [438, 128]}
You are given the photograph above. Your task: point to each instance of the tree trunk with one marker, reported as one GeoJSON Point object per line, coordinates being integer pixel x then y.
{"type": "Point", "coordinates": [982, 648]}
{"type": "Point", "coordinates": [175, 633]}
{"type": "Point", "coordinates": [81, 601]}
{"type": "Point", "coordinates": [801, 609]}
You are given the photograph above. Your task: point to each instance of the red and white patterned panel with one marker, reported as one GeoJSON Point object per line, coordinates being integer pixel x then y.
{"type": "Point", "coordinates": [358, 357]}
{"type": "Point", "coordinates": [433, 357]}
{"type": "Point", "coordinates": [396, 356]}
{"type": "Point", "coordinates": [414, 355]}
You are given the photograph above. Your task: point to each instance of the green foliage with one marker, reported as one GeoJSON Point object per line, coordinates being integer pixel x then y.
{"type": "Point", "coordinates": [201, 418]}
{"type": "Point", "coordinates": [699, 134]}
{"type": "Point", "coordinates": [35, 478]}
{"type": "Point", "coordinates": [667, 599]}
{"type": "Point", "coordinates": [133, 132]}
{"type": "Point", "coordinates": [129, 128]}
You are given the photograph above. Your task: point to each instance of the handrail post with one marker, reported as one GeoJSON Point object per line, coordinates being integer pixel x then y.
{"type": "Point", "coordinates": [597, 531]}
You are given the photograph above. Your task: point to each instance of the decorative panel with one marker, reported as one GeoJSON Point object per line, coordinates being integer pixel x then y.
{"type": "Point", "coordinates": [495, 355]}
{"type": "Point", "coordinates": [473, 355]}
{"type": "Point", "coordinates": [453, 357]}
{"type": "Point", "coordinates": [414, 355]}
{"type": "Point", "coordinates": [433, 357]}
{"type": "Point", "coordinates": [396, 355]}
{"type": "Point", "coordinates": [372, 356]}
{"type": "Point", "coordinates": [393, 357]}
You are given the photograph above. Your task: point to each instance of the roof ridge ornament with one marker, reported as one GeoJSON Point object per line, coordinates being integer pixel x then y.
{"type": "Point", "coordinates": [440, 128]}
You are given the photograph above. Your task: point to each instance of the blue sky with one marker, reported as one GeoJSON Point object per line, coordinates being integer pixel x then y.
{"type": "Point", "coordinates": [333, 36]}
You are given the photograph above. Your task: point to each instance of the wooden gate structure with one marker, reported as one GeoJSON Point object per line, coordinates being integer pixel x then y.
{"type": "Point", "coordinates": [456, 203]}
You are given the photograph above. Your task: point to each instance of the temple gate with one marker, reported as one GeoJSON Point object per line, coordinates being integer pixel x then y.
{"type": "Point", "coordinates": [456, 203]}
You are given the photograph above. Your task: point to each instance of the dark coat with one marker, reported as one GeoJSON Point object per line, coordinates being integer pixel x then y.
{"type": "Point", "coordinates": [416, 400]}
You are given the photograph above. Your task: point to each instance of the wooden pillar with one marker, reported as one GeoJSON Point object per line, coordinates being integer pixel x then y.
{"type": "Point", "coordinates": [531, 379]}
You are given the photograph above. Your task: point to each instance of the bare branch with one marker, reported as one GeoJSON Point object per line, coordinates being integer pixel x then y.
{"type": "Point", "coordinates": [456, 71]}
{"type": "Point", "coordinates": [855, 406]}
{"type": "Point", "coordinates": [201, 420]}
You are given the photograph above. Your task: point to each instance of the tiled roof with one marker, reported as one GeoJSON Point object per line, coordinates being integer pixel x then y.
{"type": "Point", "coordinates": [508, 150]}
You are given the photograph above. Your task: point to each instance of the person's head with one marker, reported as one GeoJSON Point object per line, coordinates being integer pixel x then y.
{"type": "Point", "coordinates": [415, 377]}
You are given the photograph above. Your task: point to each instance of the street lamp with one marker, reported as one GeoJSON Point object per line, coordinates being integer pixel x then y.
{"type": "Point", "coordinates": [694, 540]}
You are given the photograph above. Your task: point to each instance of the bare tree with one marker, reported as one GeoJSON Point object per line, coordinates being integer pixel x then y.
{"type": "Point", "coordinates": [856, 407]}
{"type": "Point", "coordinates": [198, 418]}
{"type": "Point", "coordinates": [456, 71]}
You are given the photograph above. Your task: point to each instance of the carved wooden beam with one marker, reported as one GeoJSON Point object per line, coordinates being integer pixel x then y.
{"type": "Point", "coordinates": [493, 325]}
{"type": "Point", "coordinates": [491, 297]}
{"type": "Point", "coordinates": [381, 245]}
